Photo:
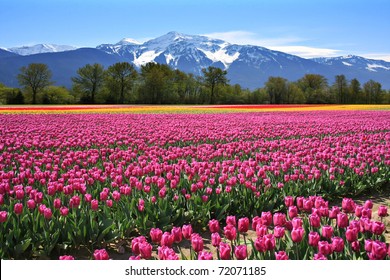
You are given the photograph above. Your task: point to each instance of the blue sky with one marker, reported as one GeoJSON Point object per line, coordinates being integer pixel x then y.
{"type": "Point", "coordinates": [306, 28]}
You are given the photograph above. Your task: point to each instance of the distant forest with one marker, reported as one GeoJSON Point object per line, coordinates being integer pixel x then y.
{"type": "Point", "coordinates": [159, 84]}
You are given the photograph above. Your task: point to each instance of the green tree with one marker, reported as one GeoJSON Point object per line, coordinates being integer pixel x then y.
{"type": "Point", "coordinates": [89, 81]}
{"type": "Point", "coordinates": [57, 95]}
{"type": "Point", "coordinates": [372, 92]}
{"type": "Point", "coordinates": [295, 94]}
{"type": "Point", "coordinates": [341, 89]}
{"type": "Point", "coordinates": [315, 88]}
{"type": "Point", "coordinates": [214, 76]}
{"type": "Point", "coordinates": [120, 78]}
{"type": "Point", "coordinates": [156, 82]}
{"type": "Point", "coordinates": [35, 77]}
{"type": "Point", "coordinates": [355, 92]}
{"type": "Point", "coordinates": [277, 89]}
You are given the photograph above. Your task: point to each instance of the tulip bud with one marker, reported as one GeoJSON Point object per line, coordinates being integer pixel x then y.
{"type": "Point", "coordinates": [243, 225]}
{"type": "Point", "coordinates": [66, 258]}
{"type": "Point", "coordinates": [101, 254]}
{"type": "Point", "coordinates": [281, 255]}
{"type": "Point", "coordinates": [203, 255]}
{"type": "Point", "coordinates": [214, 226]}
{"type": "Point", "coordinates": [224, 251]}
{"type": "Point", "coordinates": [240, 252]}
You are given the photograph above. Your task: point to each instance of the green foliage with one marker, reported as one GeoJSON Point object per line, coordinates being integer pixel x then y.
{"type": "Point", "coordinates": [35, 77]}
{"type": "Point", "coordinates": [119, 81]}
{"type": "Point", "coordinates": [89, 82]}
{"type": "Point", "coordinates": [57, 95]}
{"type": "Point", "coordinates": [10, 95]}
{"type": "Point", "coordinates": [214, 76]}
{"type": "Point", "coordinates": [159, 84]}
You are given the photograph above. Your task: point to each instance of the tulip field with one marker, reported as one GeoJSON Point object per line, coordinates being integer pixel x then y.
{"type": "Point", "coordinates": [194, 182]}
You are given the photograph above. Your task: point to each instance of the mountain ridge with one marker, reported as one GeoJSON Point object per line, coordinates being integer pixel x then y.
{"type": "Point", "coordinates": [248, 65]}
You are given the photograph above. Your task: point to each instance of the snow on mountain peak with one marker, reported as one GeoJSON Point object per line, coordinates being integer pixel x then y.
{"type": "Point", "coordinates": [40, 48]}
{"type": "Point", "coordinates": [128, 41]}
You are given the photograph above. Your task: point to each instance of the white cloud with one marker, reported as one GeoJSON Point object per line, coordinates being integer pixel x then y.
{"type": "Point", "coordinates": [378, 56]}
{"type": "Point", "coordinates": [307, 52]}
{"type": "Point", "coordinates": [251, 38]}
{"type": "Point", "coordinates": [288, 44]}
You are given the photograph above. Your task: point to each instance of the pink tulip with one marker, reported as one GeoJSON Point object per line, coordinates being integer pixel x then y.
{"type": "Point", "coordinates": [214, 226]}
{"type": "Point", "coordinates": [94, 204]}
{"type": "Point", "coordinates": [297, 223]}
{"type": "Point", "coordinates": [230, 232]}
{"type": "Point", "coordinates": [203, 255]}
{"type": "Point", "coordinates": [243, 225]}
{"type": "Point", "coordinates": [348, 205]}
{"type": "Point", "coordinates": [292, 212]}
{"type": "Point", "coordinates": [18, 208]}
{"type": "Point", "coordinates": [177, 235]}
{"type": "Point", "coordinates": [231, 220]}
{"type": "Point", "coordinates": [186, 231]}
{"type": "Point", "coordinates": [314, 238]}
{"type": "Point", "coordinates": [368, 245]}
{"type": "Point", "coordinates": [288, 201]}
{"type": "Point", "coordinates": [279, 219]}
{"type": "Point", "coordinates": [215, 239]}
{"type": "Point", "coordinates": [333, 212]}
{"type": "Point", "coordinates": [314, 220]}
{"type": "Point", "coordinates": [155, 235]}
{"type": "Point", "coordinates": [281, 255]}
{"type": "Point", "coordinates": [145, 250]}
{"type": "Point", "coordinates": [377, 227]}
{"type": "Point", "coordinates": [64, 211]}
{"type": "Point", "coordinates": [378, 251]}
{"type": "Point", "coordinates": [351, 234]}
{"type": "Point", "coordinates": [240, 252]}
{"type": "Point", "coordinates": [3, 216]}
{"type": "Point", "coordinates": [342, 220]}
{"type": "Point", "coordinates": [133, 258]}
{"type": "Point", "coordinates": [31, 204]}
{"type": "Point", "coordinates": [297, 234]}
{"type": "Point", "coordinates": [319, 256]}
{"type": "Point", "coordinates": [197, 242]}
{"type": "Point", "coordinates": [224, 251]}
{"type": "Point", "coordinates": [337, 244]}
{"type": "Point", "coordinates": [261, 230]}
{"type": "Point", "coordinates": [382, 211]}
{"type": "Point", "coordinates": [269, 242]}
{"type": "Point", "coordinates": [167, 239]}
{"type": "Point", "coordinates": [324, 248]}
{"type": "Point", "coordinates": [368, 204]}
{"type": "Point", "coordinates": [66, 258]}
{"type": "Point", "coordinates": [327, 231]}
{"type": "Point", "coordinates": [135, 244]}
{"type": "Point", "coordinates": [47, 213]}
{"type": "Point", "coordinates": [358, 211]}
{"type": "Point", "coordinates": [279, 231]}
{"type": "Point", "coordinates": [101, 254]}
{"type": "Point", "coordinates": [355, 245]}
{"type": "Point", "coordinates": [266, 218]}
{"type": "Point", "coordinates": [256, 221]}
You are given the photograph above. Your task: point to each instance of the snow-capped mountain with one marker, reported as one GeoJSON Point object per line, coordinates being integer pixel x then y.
{"type": "Point", "coordinates": [40, 48]}
{"type": "Point", "coordinates": [191, 53]}
{"type": "Point", "coordinates": [356, 62]}
{"type": "Point", "coordinates": [247, 65]}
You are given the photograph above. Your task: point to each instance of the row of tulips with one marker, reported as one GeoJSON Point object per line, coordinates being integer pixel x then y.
{"type": "Point", "coordinates": [313, 231]}
{"type": "Point", "coordinates": [81, 180]}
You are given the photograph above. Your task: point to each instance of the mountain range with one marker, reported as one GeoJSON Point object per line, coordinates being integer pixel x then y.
{"type": "Point", "coordinates": [247, 65]}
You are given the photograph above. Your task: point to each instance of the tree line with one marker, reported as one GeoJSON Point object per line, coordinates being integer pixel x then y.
{"type": "Point", "coordinates": [157, 83]}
